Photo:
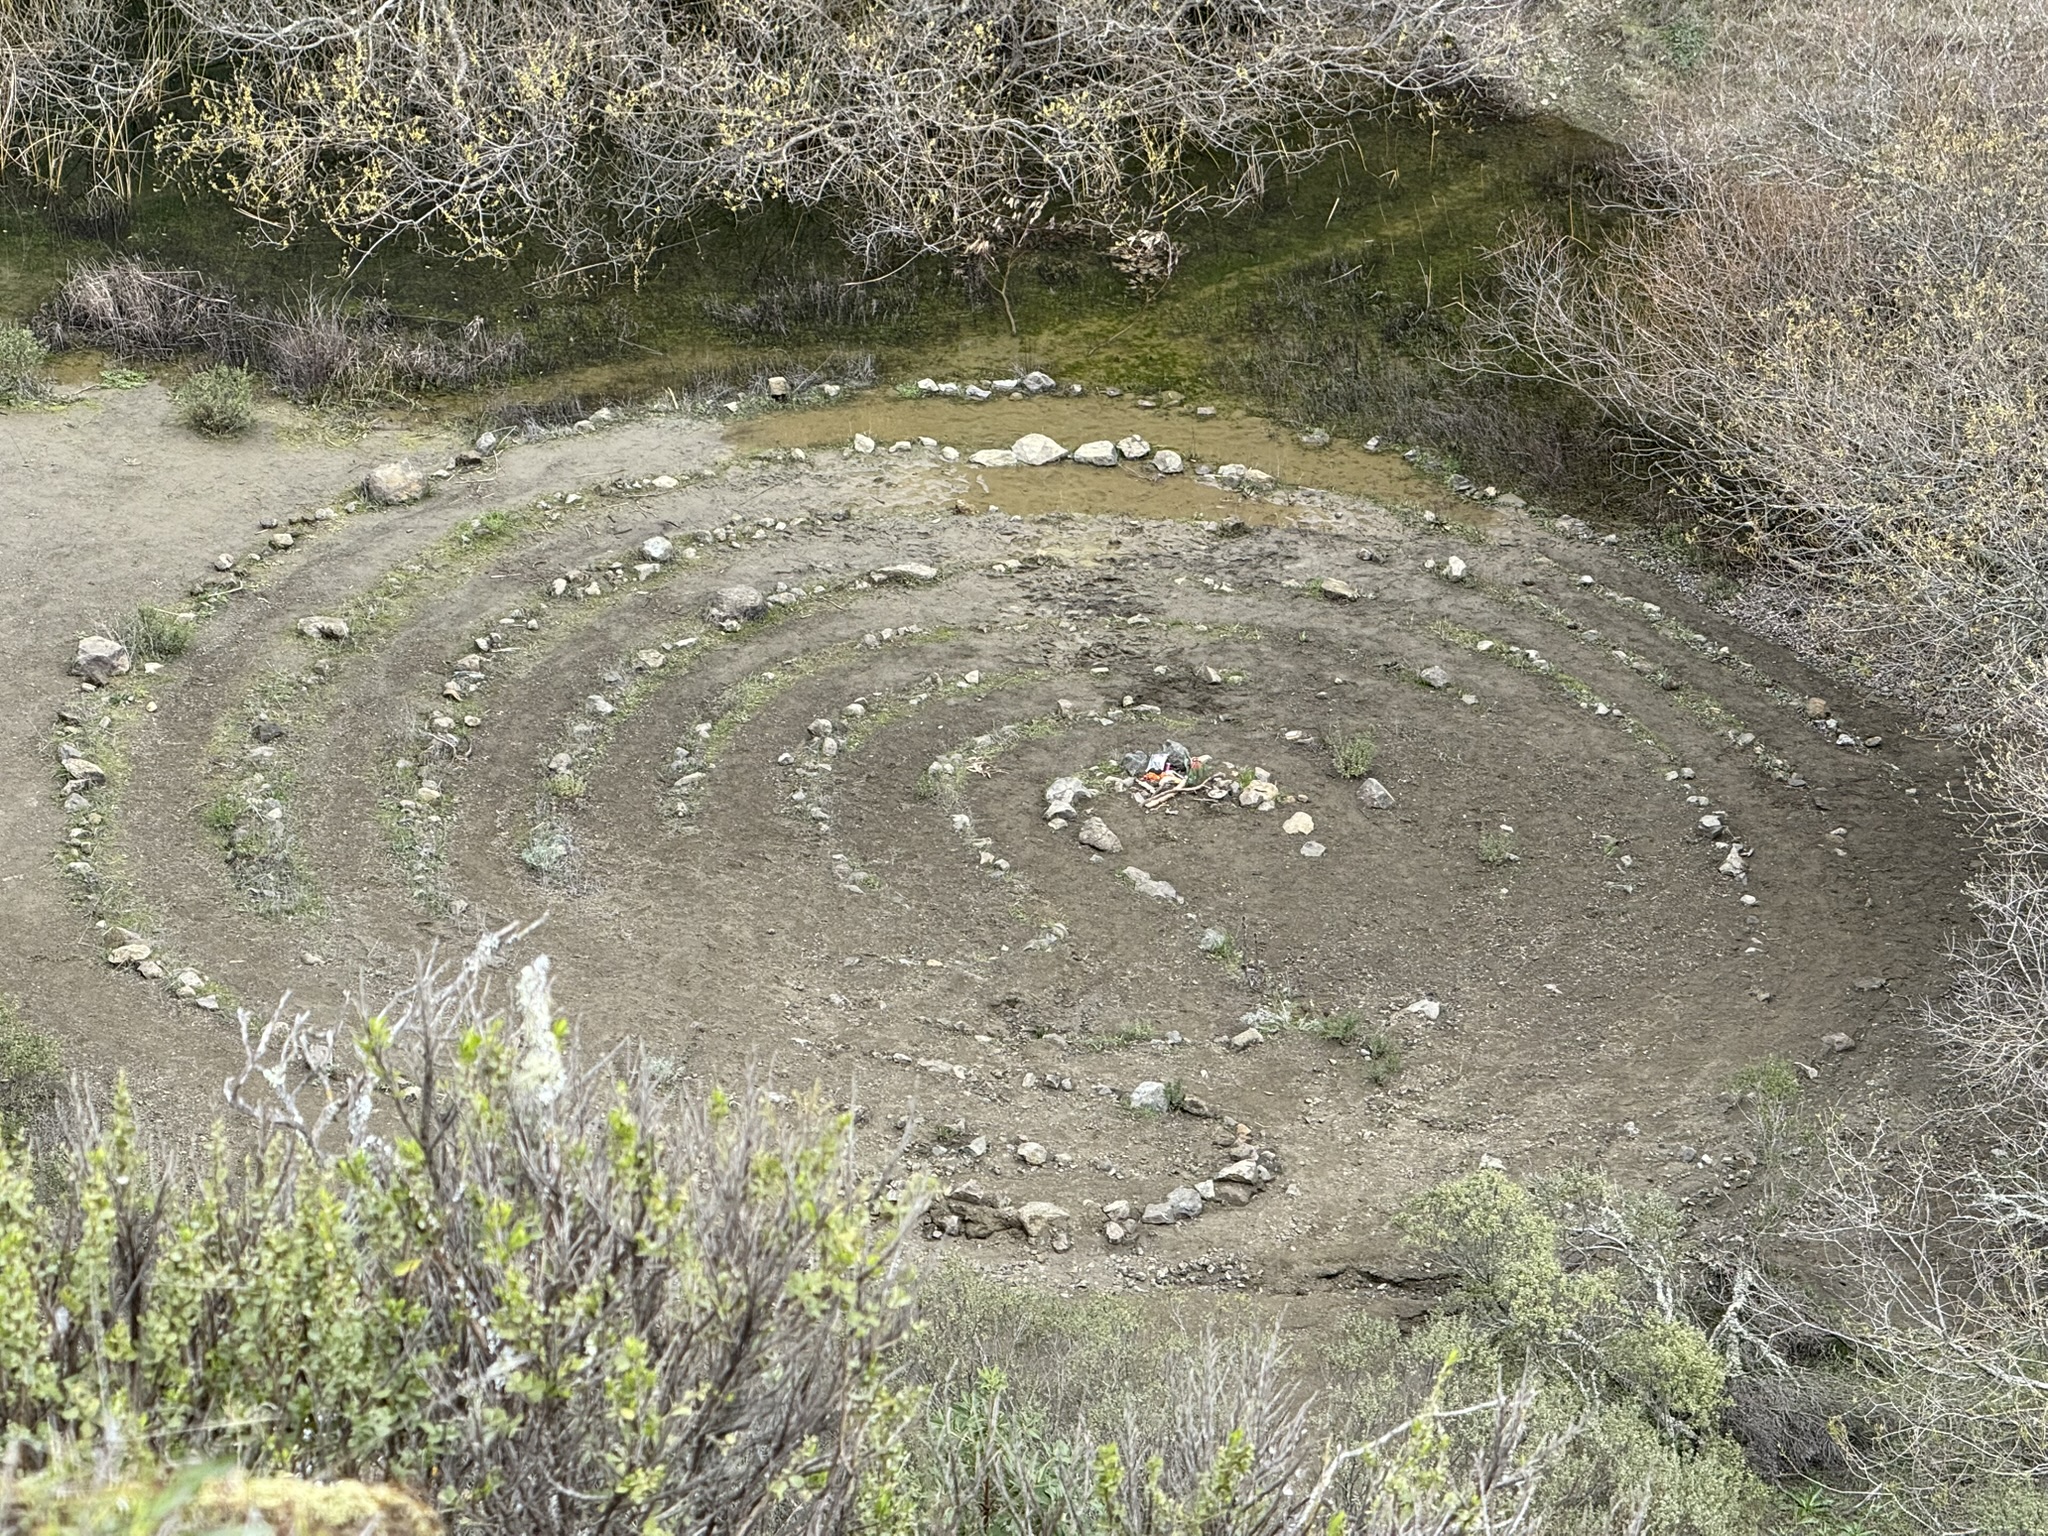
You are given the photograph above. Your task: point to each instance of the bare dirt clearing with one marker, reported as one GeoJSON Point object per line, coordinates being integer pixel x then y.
{"type": "Point", "coordinates": [807, 829]}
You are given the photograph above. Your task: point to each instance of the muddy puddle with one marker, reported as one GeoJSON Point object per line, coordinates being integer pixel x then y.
{"type": "Point", "coordinates": [1130, 490]}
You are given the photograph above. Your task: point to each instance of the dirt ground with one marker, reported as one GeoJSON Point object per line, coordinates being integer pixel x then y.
{"type": "Point", "coordinates": [896, 921]}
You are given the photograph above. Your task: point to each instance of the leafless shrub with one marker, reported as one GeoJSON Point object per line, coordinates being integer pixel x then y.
{"type": "Point", "coordinates": [1821, 330]}
{"type": "Point", "coordinates": [314, 347]}
{"type": "Point", "coordinates": [132, 310]}
{"type": "Point", "coordinates": [483, 126]}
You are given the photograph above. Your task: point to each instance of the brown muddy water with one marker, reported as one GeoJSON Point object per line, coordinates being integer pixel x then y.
{"type": "Point", "coordinates": [1130, 490]}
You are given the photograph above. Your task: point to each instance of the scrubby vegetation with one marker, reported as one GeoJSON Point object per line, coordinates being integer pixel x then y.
{"type": "Point", "coordinates": [311, 348]}
{"type": "Point", "coordinates": [22, 357]}
{"type": "Point", "coordinates": [218, 401]}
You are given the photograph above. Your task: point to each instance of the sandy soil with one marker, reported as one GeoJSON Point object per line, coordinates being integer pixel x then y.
{"type": "Point", "coordinates": [921, 942]}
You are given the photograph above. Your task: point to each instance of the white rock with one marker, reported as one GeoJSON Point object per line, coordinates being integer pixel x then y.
{"type": "Point", "coordinates": [1300, 824]}
{"type": "Point", "coordinates": [1167, 462]}
{"type": "Point", "coordinates": [1313, 849]}
{"type": "Point", "coordinates": [390, 484]}
{"type": "Point", "coordinates": [908, 570]}
{"type": "Point", "coordinates": [1100, 454]}
{"type": "Point", "coordinates": [1095, 833]}
{"type": "Point", "coordinates": [1031, 1153]}
{"type": "Point", "coordinates": [862, 443]}
{"type": "Point", "coordinates": [1038, 383]}
{"type": "Point", "coordinates": [1145, 885]}
{"type": "Point", "coordinates": [1454, 568]}
{"type": "Point", "coordinates": [657, 549]}
{"type": "Point", "coordinates": [101, 657]}
{"type": "Point", "coordinates": [323, 626]}
{"type": "Point", "coordinates": [1374, 796]}
{"type": "Point", "coordinates": [1036, 449]}
{"type": "Point", "coordinates": [993, 458]}
{"type": "Point", "coordinates": [1133, 447]}
{"type": "Point", "coordinates": [1149, 1096]}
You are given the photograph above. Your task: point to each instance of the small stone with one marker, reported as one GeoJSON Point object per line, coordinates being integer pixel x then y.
{"type": "Point", "coordinates": [323, 626]}
{"type": "Point", "coordinates": [223, 562]}
{"type": "Point", "coordinates": [778, 387]}
{"type": "Point", "coordinates": [736, 603]}
{"type": "Point", "coordinates": [1150, 1096]}
{"type": "Point", "coordinates": [1838, 1043]}
{"type": "Point", "coordinates": [1041, 1218]}
{"type": "Point", "coordinates": [1816, 709]}
{"type": "Point", "coordinates": [993, 458]}
{"type": "Point", "coordinates": [1300, 824]}
{"type": "Point", "coordinates": [1313, 849]}
{"type": "Point", "coordinates": [664, 482]}
{"type": "Point", "coordinates": [1132, 447]}
{"type": "Point", "coordinates": [1167, 462]}
{"type": "Point", "coordinates": [1338, 591]}
{"type": "Point", "coordinates": [1036, 449]}
{"type": "Point", "coordinates": [1212, 940]}
{"type": "Point", "coordinates": [652, 659]}
{"type": "Point", "coordinates": [1315, 439]}
{"type": "Point", "coordinates": [862, 443]}
{"type": "Point", "coordinates": [909, 570]}
{"type": "Point", "coordinates": [128, 954]}
{"type": "Point", "coordinates": [1095, 833]}
{"type": "Point", "coordinates": [1145, 885]}
{"type": "Point", "coordinates": [1117, 1210]}
{"type": "Point", "coordinates": [1185, 1201]}
{"type": "Point", "coordinates": [100, 658]}
{"type": "Point", "coordinates": [1375, 796]}
{"type": "Point", "coordinates": [1159, 1215]}
{"type": "Point", "coordinates": [1454, 569]}
{"type": "Point", "coordinates": [1100, 454]}
{"type": "Point", "coordinates": [1038, 383]}
{"type": "Point", "coordinates": [657, 549]}
{"type": "Point", "coordinates": [281, 540]}
{"type": "Point", "coordinates": [1031, 1154]}
{"type": "Point", "coordinates": [1113, 1231]}
{"type": "Point", "coordinates": [1436, 677]}
{"type": "Point", "coordinates": [390, 484]}
{"type": "Point", "coordinates": [1244, 1040]}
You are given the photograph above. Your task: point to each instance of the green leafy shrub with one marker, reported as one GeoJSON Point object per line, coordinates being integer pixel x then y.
{"type": "Point", "coordinates": [156, 634]}
{"type": "Point", "coordinates": [453, 1257]}
{"type": "Point", "coordinates": [1354, 756]}
{"type": "Point", "coordinates": [21, 366]}
{"type": "Point", "coordinates": [218, 402]}
{"type": "Point", "coordinates": [29, 1077]}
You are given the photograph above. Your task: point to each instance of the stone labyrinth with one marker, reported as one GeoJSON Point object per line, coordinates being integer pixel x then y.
{"type": "Point", "coordinates": [1495, 850]}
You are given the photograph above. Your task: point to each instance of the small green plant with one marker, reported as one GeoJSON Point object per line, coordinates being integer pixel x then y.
{"type": "Point", "coordinates": [1136, 1032]}
{"type": "Point", "coordinates": [1772, 1082]}
{"type": "Point", "coordinates": [218, 402]}
{"type": "Point", "coordinates": [1384, 1063]}
{"type": "Point", "coordinates": [156, 634]}
{"type": "Point", "coordinates": [29, 1076]}
{"type": "Point", "coordinates": [494, 524]}
{"type": "Point", "coordinates": [1354, 756]}
{"type": "Point", "coordinates": [547, 849]}
{"type": "Point", "coordinates": [1337, 1028]}
{"type": "Point", "coordinates": [222, 814]}
{"type": "Point", "coordinates": [1685, 42]}
{"type": "Point", "coordinates": [567, 786]}
{"type": "Point", "coordinates": [123, 378]}
{"type": "Point", "coordinates": [1176, 1096]}
{"type": "Point", "coordinates": [1498, 847]}
{"type": "Point", "coordinates": [21, 366]}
